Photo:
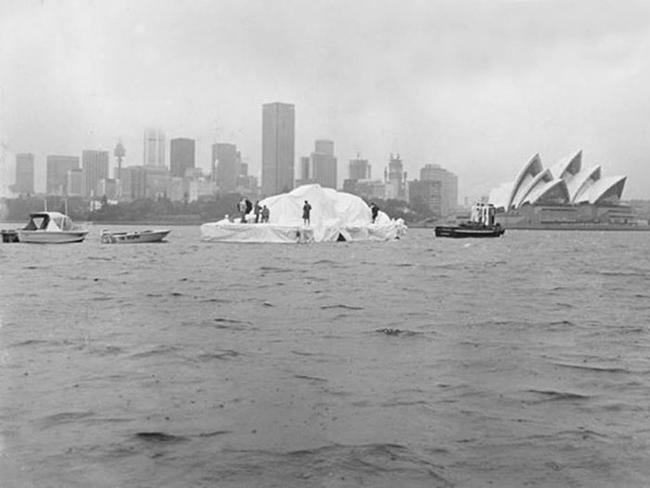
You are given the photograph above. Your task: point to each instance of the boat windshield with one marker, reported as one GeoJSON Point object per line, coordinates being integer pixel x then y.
{"type": "Point", "coordinates": [38, 222]}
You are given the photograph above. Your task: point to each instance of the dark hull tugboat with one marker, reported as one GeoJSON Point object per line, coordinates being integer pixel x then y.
{"type": "Point", "coordinates": [481, 224]}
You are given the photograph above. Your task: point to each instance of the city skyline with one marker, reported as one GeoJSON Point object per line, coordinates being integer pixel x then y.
{"type": "Point", "coordinates": [475, 86]}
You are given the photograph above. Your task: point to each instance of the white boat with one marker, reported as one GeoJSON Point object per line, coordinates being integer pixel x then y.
{"type": "Point", "coordinates": [108, 237]}
{"type": "Point", "coordinates": [51, 228]}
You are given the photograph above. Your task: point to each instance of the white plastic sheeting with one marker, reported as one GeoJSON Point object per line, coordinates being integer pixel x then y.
{"type": "Point", "coordinates": [334, 216]}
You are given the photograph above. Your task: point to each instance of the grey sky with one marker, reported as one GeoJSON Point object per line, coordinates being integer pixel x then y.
{"type": "Point", "coordinates": [476, 86]}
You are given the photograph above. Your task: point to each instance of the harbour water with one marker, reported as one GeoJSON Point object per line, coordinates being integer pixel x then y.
{"type": "Point", "coordinates": [518, 361]}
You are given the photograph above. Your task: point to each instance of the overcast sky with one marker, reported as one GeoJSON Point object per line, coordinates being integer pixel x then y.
{"type": "Point", "coordinates": [476, 86]}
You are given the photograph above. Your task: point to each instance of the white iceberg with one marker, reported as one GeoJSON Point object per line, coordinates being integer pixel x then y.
{"type": "Point", "coordinates": [335, 216]}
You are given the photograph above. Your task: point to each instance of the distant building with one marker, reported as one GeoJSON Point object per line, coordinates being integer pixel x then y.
{"type": "Point", "coordinates": [57, 173]}
{"type": "Point", "coordinates": [448, 188]}
{"type": "Point", "coordinates": [228, 168]}
{"type": "Point", "coordinates": [107, 187]}
{"type": "Point", "coordinates": [24, 173]}
{"type": "Point", "coordinates": [157, 181]}
{"type": "Point", "coordinates": [359, 169]}
{"type": "Point", "coordinates": [428, 193]}
{"type": "Point", "coordinates": [323, 164]}
{"type": "Point", "coordinates": [305, 169]}
{"type": "Point", "coordinates": [278, 148]}
{"type": "Point", "coordinates": [368, 189]}
{"type": "Point", "coordinates": [395, 178]}
{"type": "Point", "coordinates": [154, 147]}
{"type": "Point", "coordinates": [76, 184]}
{"type": "Point", "coordinates": [182, 155]}
{"type": "Point", "coordinates": [95, 166]}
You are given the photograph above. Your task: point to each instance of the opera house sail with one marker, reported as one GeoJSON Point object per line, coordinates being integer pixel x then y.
{"type": "Point", "coordinates": [566, 193]}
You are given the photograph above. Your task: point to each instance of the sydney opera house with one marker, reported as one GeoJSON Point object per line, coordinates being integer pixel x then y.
{"type": "Point", "coordinates": [565, 193]}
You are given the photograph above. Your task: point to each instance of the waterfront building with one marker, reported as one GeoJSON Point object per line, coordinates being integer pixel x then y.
{"type": "Point", "coordinates": [228, 166]}
{"type": "Point", "coordinates": [428, 193]}
{"type": "Point", "coordinates": [95, 166]}
{"type": "Point", "coordinates": [278, 148]}
{"type": "Point", "coordinates": [76, 184]}
{"type": "Point", "coordinates": [24, 173]}
{"type": "Point", "coordinates": [448, 187]}
{"type": "Point", "coordinates": [566, 195]}
{"type": "Point", "coordinates": [154, 148]}
{"type": "Point", "coordinates": [56, 168]}
{"type": "Point", "coordinates": [567, 182]}
{"type": "Point", "coordinates": [182, 155]}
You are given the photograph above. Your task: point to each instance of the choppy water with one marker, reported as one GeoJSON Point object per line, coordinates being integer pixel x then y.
{"type": "Point", "coordinates": [521, 361]}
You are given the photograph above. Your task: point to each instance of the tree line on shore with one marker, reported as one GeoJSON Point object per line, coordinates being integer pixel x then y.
{"type": "Point", "coordinates": [205, 209]}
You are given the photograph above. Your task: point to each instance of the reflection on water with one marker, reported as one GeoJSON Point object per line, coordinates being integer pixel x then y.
{"type": "Point", "coordinates": [421, 362]}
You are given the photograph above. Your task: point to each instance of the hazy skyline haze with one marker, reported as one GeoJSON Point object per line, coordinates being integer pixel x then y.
{"type": "Point", "coordinates": [476, 86]}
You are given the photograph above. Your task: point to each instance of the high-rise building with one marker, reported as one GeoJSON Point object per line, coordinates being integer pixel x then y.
{"type": "Point", "coordinates": [278, 147]}
{"type": "Point", "coordinates": [182, 156]}
{"type": "Point", "coordinates": [95, 166]}
{"type": "Point", "coordinates": [228, 166]}
{"type": "Point", "coordinates": [76, 186]}
{"type": "Point", "coordinates": [359, 169]}
{"type": "Point", "coordinates": [395, 186]}
{"type": "Point", "coordinates": [323, 164]}
{"type": "Point", "coordinates": [449, 186]}
{"type": "Point", "coordinates": [154, 147]}
{"type": "Point", "coordinates": [24, 173]}
{"type": "Point", "coordinates": [428, 193]}
{"type": "Point", "coordinates": [305, 168]}
{"type": "Point", "coordinates": [57, 173]}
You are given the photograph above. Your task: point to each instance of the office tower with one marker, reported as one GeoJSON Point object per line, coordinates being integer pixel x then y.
{"type": "Point", "coordinates": [323, 164]}
{"type": "Point", "coordinates": [95, 166]}
{"type": "Point", "coordinates": [24, 173]}
{"type": "Point", "coordinates": [228, 166]}
{"type": "Point", "coordinates": [428, 193]}
{"type": "Point", "coordinates": [76, 184]}
{"type": "Point", "coordinates": [182, 155]}
{"type": "Point", "coordinates": [449, 186]}
{"type": "Point", "coordinates": [359, 169]}
{"type": "Point", "coordinates": [278, 147]}
{"type": "Point", "coordinates": [305, 168]}
{"type": "Point", "coordinates": [154, 147]}
{"type": "Point", "coordinates": [57, 173]}
{"type": "Point", "coordinates": [395, 184]}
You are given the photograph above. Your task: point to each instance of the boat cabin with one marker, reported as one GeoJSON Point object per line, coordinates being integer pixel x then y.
{"type": "Point", "coordinates": [483, 214]}
{"type": "Point", "coordinates": [49, 221]}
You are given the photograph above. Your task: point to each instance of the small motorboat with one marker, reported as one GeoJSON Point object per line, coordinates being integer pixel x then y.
{"type": "Point", "coordinates": [481, 224]}
{"type": "Point", "coordinates": [51, 228]}
{"type": "Point", "coordinates": [108, 237]}
{"type": "Point", "coordinates": [465, 230]}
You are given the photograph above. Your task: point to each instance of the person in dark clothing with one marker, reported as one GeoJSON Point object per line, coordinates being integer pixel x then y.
{"type": "Point", "coordinates": [306, 210]}
{"type": "Point", "coordinates": [375, 211]}
{"type": "Point", "coordinates": [256, 210]}
{"type": "Point", "coordinates": [265, 214]}
{"type": "Point", "coordinates": [242, 209]}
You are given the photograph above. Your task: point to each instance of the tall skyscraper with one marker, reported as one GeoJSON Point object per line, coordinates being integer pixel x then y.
{"type": "Point", "coordinates": [228, 166]}
{"type": "Point", "coordinates": [182, 156]}
{"type": "Point", "coordinates": [448, 187]}
{"type": "Point", "coordinates": [95, 166]}
{"type": "Point", "coordinates": [278, 147]}
{"type": "Point", "coordinates": [24, 173]}
{"type": "Point", "coordinates": [323, 164]}
{"type": "Point", "coordinates": [396, 177]}
{"type": "Point", "coordinates": [359, 169]}
{"type": "Point", "coordinates": [57, 173]}
{"type": "Point", "coordinates": [154, 147]}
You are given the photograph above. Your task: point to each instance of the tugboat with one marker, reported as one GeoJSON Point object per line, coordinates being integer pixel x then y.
{"type": "Point", "coordinates": [481, 224]}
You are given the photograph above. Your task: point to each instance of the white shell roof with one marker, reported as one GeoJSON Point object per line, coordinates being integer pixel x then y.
{"type": "Point", "coordinates": [565, 182]}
